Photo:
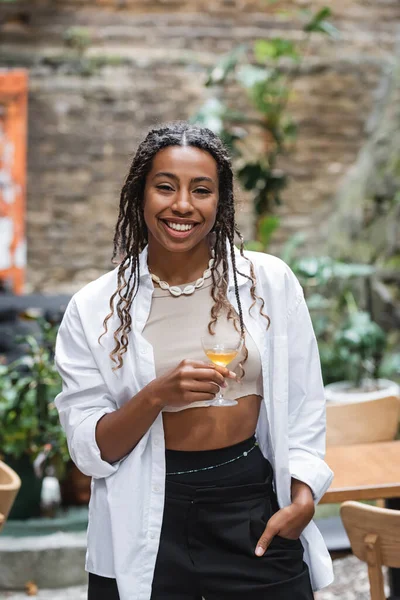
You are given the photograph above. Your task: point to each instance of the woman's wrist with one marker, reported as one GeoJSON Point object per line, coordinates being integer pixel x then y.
{"type": "Point", "coordinates": [302, 495]}
{"type": "Point", "coordinates": [152, 398]}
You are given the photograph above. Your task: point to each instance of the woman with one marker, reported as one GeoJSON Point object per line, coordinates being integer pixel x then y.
{"type": "Point", "coordinates": [191, 500]}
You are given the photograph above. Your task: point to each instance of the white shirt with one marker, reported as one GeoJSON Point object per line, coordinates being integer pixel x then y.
{"type": "Point", "coordinates": [127, 500]}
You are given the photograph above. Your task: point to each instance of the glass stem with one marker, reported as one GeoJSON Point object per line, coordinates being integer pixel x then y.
{"type": "Point", "coordinates": [219, 395]}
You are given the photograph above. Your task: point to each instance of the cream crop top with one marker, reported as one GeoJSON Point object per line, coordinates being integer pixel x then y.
{"type": "Point", "coordinates": [174, 329]}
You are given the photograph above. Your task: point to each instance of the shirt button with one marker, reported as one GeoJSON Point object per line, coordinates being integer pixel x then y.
{"type": "Point", "coordinates": [157, 442]}
{"type": "Point", "coordinates": [152, 536]}
{"type": "Point", "coordinates": [143, 350]}
{"type": "Point", "coordinates": [156, 488]}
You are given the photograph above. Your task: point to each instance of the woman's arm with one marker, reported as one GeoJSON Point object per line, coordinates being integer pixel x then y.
{"type": "Point", "coordinates": [310, 475]}
{"type": "Point", "coordinates": [85, 398]}
{"type": "Point", "coordinates": [190, 381]}
{"type": "Point", "coordinates": [99, 433]}
{"type": "Point", "coordinates": [117, 433]}
{"type": "Point", "coordinates": [307, 418]}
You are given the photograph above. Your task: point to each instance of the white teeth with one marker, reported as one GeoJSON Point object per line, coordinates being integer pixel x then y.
{"type": "Point", "coordinates": [179, 227]}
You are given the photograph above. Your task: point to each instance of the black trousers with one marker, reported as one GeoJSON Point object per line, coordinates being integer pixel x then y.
{"type": "Point", "coordinates": [212, 522]}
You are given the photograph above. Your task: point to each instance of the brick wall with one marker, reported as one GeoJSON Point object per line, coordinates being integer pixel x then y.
{"type": "Point", "coordinates": [83, 130]}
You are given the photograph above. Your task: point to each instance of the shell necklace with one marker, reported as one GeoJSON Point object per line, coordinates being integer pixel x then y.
{"type": "Point", "coordinates": [175, 290]}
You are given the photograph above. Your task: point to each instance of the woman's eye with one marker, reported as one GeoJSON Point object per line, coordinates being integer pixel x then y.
{"type": "Point", "coordinates": [202, 191]}
{"type": "Point", "coordinates": [165, 187]}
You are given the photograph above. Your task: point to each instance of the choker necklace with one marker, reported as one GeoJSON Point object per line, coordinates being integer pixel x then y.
{"type": "Point", "coordinates": [189, 289]}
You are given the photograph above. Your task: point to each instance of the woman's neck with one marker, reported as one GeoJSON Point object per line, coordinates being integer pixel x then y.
{"type": "Point", "coordinates": [177, 268]}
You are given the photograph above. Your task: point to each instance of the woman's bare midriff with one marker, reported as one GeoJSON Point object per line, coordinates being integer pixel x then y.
{"type": "Point", "coordinates": [212, 427]}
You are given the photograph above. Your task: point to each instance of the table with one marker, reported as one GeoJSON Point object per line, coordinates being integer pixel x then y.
{"type": "Point", "coordinates": [367, 472]}
{"type": "Point", "coordinates": [364, 472]}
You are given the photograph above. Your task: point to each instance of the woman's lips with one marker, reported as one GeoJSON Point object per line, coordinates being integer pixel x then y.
{"type": "Point", "coordinates": [177, 234]}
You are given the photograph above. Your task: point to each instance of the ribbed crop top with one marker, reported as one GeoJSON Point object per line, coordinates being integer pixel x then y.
{"type": "Point", "coordinates": [174, 329]}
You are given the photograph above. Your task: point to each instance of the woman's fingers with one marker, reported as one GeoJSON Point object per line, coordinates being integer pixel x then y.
{"type": "Point", "coordinates": [209, 387]}
{"type": "Point", "coordinates": [265, 539]}
{"type": "Point", "coordinates": [205, 374]}
{"type": "Point", "coordinates": [200, 365]}
{"type": "Point", "coordinates": [279, 524]}
{"type": "Point", "coordinates": [200, 396]}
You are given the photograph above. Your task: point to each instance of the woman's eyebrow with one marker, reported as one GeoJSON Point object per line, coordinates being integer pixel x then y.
{"type": "Point", "coordinates": [193, 180]}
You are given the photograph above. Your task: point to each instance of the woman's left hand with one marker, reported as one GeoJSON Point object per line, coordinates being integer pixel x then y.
{"type": "Point", "coordinates": [289, 522]}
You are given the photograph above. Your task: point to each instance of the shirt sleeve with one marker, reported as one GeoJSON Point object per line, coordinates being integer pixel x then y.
{"type": "Point", "coordinates": [307, 411]}
{"type": "Point", "coordinates": [84, 398]}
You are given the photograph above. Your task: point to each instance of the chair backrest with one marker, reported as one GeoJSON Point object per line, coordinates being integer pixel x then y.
{"type": "Point", "coordinates": [362, 422]}
{"type": "Point", "coordinates": [9, 486]}
{"type": "Point", "coordinates": [374, 535]}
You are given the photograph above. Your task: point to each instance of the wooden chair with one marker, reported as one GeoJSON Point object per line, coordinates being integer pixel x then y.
{"type": "Point", "coordinates": [356, 423]}
{"type": "Point", "coordinates": [374, 535]}
{"type": "Point", "coordinates": [362, 422]}
{"type": "Point", "coordinates": [9, 486]}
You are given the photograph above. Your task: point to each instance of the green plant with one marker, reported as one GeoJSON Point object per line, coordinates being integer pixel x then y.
{"type": "Point", "coordinates": [352, 346]}
{"type": "Point", "coordinates": [359, 344]}
{"type": "Point", "coordinates": [29, 422]}
{"type": "Point", "coordinates": [358, 352]}
{"type": "Point", "coordinates": [256, 123]}
{"type": "Point", "coordinates": [78, 39]}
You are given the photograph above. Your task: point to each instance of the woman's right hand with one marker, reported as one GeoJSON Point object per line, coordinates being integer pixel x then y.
{"type": "Point", "coordinates": [191, 381]}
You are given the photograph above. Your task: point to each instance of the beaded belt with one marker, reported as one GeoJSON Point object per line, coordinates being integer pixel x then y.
{"type": "Point", "coordinates": [242, 455]}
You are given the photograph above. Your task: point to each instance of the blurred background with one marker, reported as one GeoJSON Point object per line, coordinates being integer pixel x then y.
{"type": "Point", "coordinates": [307, 97]}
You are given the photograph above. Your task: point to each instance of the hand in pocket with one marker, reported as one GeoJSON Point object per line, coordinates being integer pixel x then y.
{"type": "Point", "coordinates": [287, 523]}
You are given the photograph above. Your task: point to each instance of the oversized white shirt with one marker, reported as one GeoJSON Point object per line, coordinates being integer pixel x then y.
{"type": "Point", "coordinates": [127, 500]}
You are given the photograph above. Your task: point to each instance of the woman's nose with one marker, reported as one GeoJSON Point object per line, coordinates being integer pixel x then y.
{"type": "Point", "coordinates": [182, 202]}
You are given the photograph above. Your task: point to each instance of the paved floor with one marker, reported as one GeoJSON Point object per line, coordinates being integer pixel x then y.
{"type": "Point", "coordinates": [351, 583]}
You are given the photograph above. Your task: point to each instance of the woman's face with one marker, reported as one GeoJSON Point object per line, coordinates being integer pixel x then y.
{"type": "Point", "coordinates": [180, 198]}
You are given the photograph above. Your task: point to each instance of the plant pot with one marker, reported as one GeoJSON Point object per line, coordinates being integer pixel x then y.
{"type": "Point", "coordinates": [342, 392]}
{"type": "Point", "coordinates": [10, 484]}
{"type": "Point", "coordinates": [75, 487]}
{"type": "Point", "coordinates": [27, 502]}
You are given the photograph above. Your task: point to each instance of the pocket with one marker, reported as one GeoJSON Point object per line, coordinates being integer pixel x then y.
{"type": "Point", "coordinates": [293, 543]}
{"type": "Point", "coordinates": [259, 515]}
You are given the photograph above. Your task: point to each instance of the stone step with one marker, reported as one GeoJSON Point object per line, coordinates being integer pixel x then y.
{"type": "Point", "coordinates": [72, 593]}
{"type": "Point", "coordinates": [51, 561]}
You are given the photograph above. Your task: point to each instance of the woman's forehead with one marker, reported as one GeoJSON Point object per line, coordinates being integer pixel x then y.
{"type": "Point", "coordinates": [183, 160]}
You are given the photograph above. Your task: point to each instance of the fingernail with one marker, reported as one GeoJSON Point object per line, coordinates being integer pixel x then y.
{"type": "Point", "coordinates": [259, 551]}
{"type": "Point", "coordinates": [224, 385]}
{"type": "Point", "coordinates": [232, 374]}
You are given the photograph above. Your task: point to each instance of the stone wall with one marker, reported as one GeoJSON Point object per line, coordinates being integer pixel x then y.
{"type": "Point", "coordinates": [152, 58]}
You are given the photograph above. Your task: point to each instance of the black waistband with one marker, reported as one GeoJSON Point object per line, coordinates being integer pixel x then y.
{"type": "Point", "coordinates": [211, 495]}
{"type": "Point", "coordinates": [183, 460]}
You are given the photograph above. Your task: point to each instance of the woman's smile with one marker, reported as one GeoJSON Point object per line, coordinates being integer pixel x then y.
{"type": "Point", "coordinates": [178, 229]}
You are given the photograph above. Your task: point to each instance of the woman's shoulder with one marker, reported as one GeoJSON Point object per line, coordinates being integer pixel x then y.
{"type": "Point", "coordinates": [276, 276]}
{"type": "Point", "coordinates": [267, 261]}
{"type": "Point", "coordinates": [97, 293]}
{"type": "Point", "coordinates": [271, 266]}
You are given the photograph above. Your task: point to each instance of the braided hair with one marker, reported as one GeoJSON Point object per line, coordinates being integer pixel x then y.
{"type": "Point", "coordinates": [131, 234]}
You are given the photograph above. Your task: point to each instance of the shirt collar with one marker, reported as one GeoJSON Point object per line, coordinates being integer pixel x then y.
{"type": "Point", "coordinates": [241, 264]}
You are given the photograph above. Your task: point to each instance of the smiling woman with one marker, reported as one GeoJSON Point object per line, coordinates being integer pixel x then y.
{"type": "Point", "coordinates": [180, 208]}
{"type": "Point", "coordinates": [193, 497]}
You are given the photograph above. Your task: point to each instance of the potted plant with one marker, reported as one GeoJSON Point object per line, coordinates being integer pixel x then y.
{"type": "Point", "coordinates": [357, 362]}
{"type": "Point", "coordinates": [31, 437]}
{"type": "Point", "coordinates": [359, 351]}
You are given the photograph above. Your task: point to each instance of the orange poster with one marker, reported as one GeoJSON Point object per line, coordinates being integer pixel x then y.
{"type": "Point", "coordinates": [13, 129]}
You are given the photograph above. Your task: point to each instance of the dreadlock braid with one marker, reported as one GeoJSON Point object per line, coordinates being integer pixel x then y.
{"type": "Point", "coordinates": [131, 234]}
